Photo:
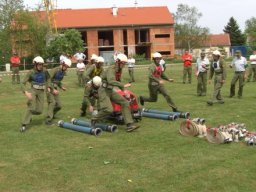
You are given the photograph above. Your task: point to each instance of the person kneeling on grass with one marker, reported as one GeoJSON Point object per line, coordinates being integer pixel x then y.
{"type": "Point", "coordinates": [105, 94]}
{"type": "Point", "coordinates": [156, 84]}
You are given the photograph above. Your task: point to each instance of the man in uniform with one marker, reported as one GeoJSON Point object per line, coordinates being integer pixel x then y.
{"type": "Point", "coordinates": [92, 71]}
{"type": "Point", "coordinates": [80, 67]}
{"type": "Point", "coordinates": [38, 77]}
{"type": "Point", "coordinates": [218, 68]}
{"type": "Point", "coordinates": [187, 66]}
{"type": "Point", "coordinates": [92, 60]}
{"type": "Point", "coordinates": [252, 70]}
{"type": "Point", "coordinates": [239, 63]}
{"type": "Point", "coordinates": [15, 64]}
{"type": "Point", "coordinates": [53, 99]}
{"type": "Point", "coordinates": [156, 84]}
{"type": "Point", "coordinates": [110, 83]}
{"type": "Point", "coordinates": [202, 65]}
{"type": "Point", "coordinates": [131, 63]}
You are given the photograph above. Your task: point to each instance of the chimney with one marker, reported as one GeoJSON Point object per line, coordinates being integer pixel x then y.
{"type": "Point", "coordinates": [114, 10]}
{"type": "Point", "coordinates": [136, 4]}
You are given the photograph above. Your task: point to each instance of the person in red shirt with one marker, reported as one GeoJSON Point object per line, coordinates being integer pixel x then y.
{"type": "Point", "coordinates": [15, 64]}
{"type": "Point", "coordinates": [187, 64]}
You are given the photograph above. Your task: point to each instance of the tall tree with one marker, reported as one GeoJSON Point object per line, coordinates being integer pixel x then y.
{"type": "Point", "coordinates": [69, 43]}
{"type": "Point", "coordinates": [188, 34]}
{"type": "Point", "coordinates": [29, 31]}
{"type": "Point", "coordinates": [250, 30]}
{"type": "Point", "coordinates": [8, 9]}
{"type": "Point", "coordinates": [236, 35]}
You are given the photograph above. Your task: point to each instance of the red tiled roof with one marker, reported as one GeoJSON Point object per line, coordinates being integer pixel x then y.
{"type": "Point", "coordinates": [103, 17]}
{"type": "Point", "coordinates": [215, 40]}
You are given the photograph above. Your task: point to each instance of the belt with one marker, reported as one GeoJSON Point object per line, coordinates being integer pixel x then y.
{"type": "Point", "coordinates": [40, 87]}
{"type": "Point", "coordinates": [239, 71]}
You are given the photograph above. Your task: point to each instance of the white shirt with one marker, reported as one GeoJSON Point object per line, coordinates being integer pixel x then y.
{"type": "Point", "coordinates": [201, 64]}
{"type": "Point", "coordinates": [80, 66]}
{"type": "Point", "coordinates": [162, 63]}
{"type": "Point", "coordinates": [253, 59]}
{"type": "Point", "coordinates": [239, 63]}
{"type": "Point", "coordinates": [80, 56]}
{"type": "Point", "coordinates": [131, 63]}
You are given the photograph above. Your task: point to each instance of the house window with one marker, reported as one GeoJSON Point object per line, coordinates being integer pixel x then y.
{"type": "Point", "coordinates": [165, 52]}
{"type": "Point", "coordinates": [162, 35]}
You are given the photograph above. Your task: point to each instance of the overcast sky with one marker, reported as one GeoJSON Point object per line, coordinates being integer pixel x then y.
{"type": "Point", "coordinates": [216, 13]}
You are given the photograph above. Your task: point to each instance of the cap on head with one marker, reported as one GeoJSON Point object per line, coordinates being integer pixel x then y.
{"type": "Point", "coordinates": [97, 81]}
{"type": "Point", "coordinates": [100, 60]}
{"type": "Point", "coordinates": [238, 51]}
{"type": "Point", "coordinates": [216, 52]}
{"type": "Point", "coordinates": [67, 62]}
{"type": "Point", "coordinates": [122, 57]}
{"type": "Point", "coordinates": [38, 59]}
{"type": "Point", "coordinates": [94, 57]}
{"type": "Point", "coordinates": [157, 55]}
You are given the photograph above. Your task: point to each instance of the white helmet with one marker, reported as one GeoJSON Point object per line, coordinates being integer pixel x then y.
{"type": "Point", "coordinates": [216, 52]}
{"type": "Point", "coordinates": [157, 55]}
{"type": "Point", "coordinates": [67, 62]}
{"type": "Point", "coordinates": [100, 60]}
{"type": "Point", "coordinates": [122, 57]}
{"type": "Point", "coordinates": [94, 57]}
{"type": "Point", "coordinates": [97, 81]}
{"type": "Point", "coordinates": [38, 59]}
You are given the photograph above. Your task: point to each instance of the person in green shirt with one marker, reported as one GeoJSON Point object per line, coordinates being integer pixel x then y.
{"type": "Point", "coordinates": [38, 77]}
{"type": "Point", "coordinates": [53, 99]}
{"type": "Point", "coordinates": [92, 71]}
{"type": "Point", "coordinates": [110, 82]}
{"type": "Point", "coordinates": [156, 83]}
{"type": "Point", "coordinates": [217, 68]}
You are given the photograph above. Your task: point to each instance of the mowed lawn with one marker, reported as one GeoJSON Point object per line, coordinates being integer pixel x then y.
{"type": "Point", "coordinates": [155, 158]}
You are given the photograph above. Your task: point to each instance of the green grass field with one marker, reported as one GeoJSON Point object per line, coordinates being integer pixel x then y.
{"type": "Point", "coordinates": [155, 158]}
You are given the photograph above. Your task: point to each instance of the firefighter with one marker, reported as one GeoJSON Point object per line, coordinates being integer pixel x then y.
{"type": "Point", "coordinates": [53, 99]}
{"type": "Point", "coordinates": [240, 64]}
{"type": "Point", "coordinates": [92, 71]}
{"type": "Point", "coordinates": [218, 68]}
{"type": "Point", "coordinates": [119, 65]}
{"type": "Point", "coordinates": [91, 95]}
{"type": "Point", "coordinates": [38, 77]}
{"type": "Point", "coordinates": [156, 84]}
{"type": "Point", "coordinates": [187, 66]}
{"type": "Point", "coordinates": [15, 64]}
{"type": "Point", "coordinates": [92, 60]}
{"type": "Point", "coordinates": [110, 83]}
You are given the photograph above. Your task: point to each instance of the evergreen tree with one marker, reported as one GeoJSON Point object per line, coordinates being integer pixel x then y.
{"type": "Point", "coordinates": [236, 36]}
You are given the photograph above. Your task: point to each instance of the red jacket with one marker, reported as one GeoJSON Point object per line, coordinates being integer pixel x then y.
{"type": "Point", "coordinates": [187, 60]}
{"type": "Point", "coordinates": [15, 61]}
